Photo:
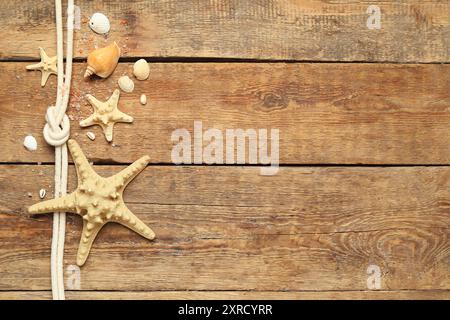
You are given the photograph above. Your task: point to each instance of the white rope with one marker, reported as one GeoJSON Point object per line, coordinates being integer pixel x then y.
{"type": "Point", "coordinates": [56, 133]}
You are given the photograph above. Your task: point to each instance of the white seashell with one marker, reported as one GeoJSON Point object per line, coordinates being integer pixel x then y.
{"type": "Point", "coordinates": [99, 23]}
{"type": "Point", "coordinates": [143, 99]}
{"type": "Point", "coordinates": [91, 135]}
{"type": "Point", "coordinates": [126, 84]}
{"type": "Point", "coordinates": [141, 70]}
{"type": "Point", "coordinates": [42, 193]}
{"type": "Point", "coordinates": [30, 143]}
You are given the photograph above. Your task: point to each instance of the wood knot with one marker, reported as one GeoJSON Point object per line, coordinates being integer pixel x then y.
{"type": "Point", "coordinates": [273, 101]}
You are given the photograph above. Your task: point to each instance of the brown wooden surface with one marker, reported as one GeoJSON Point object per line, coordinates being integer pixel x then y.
{"type": "Point", "coordinates": [228, 229]}
{"type": "Point", "coordinates": [226, 232]}
{"type": "Point", "coordinates": [326, 113]}
{"type": "Point", "coordinates": [319, 30]}
{"type": "Point", "coordinates": [230, 295]}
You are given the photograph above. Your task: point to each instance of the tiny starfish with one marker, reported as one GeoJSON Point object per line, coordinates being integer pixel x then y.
{"type": "Point", "coordinates": [98, 200]}
{"type": "Point", "coordinates": [106, 114]}
{"type": "Point", "coordinates": [47, 66]}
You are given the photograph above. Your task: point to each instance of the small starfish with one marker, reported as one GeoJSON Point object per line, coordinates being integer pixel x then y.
{"type": "Point", "coordinates": [106, 114]}
{"type": "Point", "coordinates": [47, 66]}
{"type": "Point", "coordinates": [98, 200]}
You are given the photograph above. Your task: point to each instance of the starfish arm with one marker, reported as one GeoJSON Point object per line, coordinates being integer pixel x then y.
{"type": "Point", "coordinates": [63, 204]}
{"type": "Point", "coordinates": [114, 99]}
{"type": "Point", "coordinates": [84, 169]}
{"type": "Point", "coordinates": [45, 75]}
{"type": "Point", "coordinates": [88, 235]}
{"type": "Point", "coordinates": [53, 69]}
{"type": "Point", "coordinates": [36, 66]}
{"type": "Point", "coordinates": [129, 220]}
{"type": "Point", "coordinates": [42, 53]}
{"type": "Point", "coordinates": [89, 121]}
{"type": "Point", "coordinates": [53, 60]}
{"type": "Point", "coordinates": [108, 130]}
{"type": "Point", "coordinates": [124, 177]}
{"type": "Point", "coordinates": [122, 117]}
{"type": "Point", "coordinates": [93, 101]}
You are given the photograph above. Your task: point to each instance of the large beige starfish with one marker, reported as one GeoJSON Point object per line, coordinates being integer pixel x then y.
{"type": "Point", "coordinates": [47, 66]}
{"type": "Point", "coordinates": [106, 114]}
{"type": "Point", "coordinates": [98, 200]}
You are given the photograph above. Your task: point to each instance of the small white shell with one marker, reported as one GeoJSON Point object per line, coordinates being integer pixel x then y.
{"type": "Point", "coordinates": [30, 143]}
{"type": "Point", "coordinates": [126, 84]}
{"type": "Point", "coordinates": [143, 99]}
{"type": "Point", "coordinates": [141, 70]}
{"type": "Point", "coordinates": [42, 193]}
{"type": "Point", "coordinates": [99, 23]}
{"type": "Point", "coordinates": [91, 135]}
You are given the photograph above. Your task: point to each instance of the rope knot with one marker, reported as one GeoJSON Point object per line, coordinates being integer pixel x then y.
{"type": "Point", "coordinates": [56, 134]}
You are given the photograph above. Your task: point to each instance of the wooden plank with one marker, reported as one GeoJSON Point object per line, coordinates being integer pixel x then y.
{"type": "Point", "coordinates": [283, 29]}
{"type": "Point", "coordinates": [231, 295]}
{"type": "Point", "coordinates": [326, 113]}
{"type": "Point", "coordinates": [280, 263]}
{"type": "Point", "coordinates": [192, 201]}
{"type": "Point", "coordinates": [228, 228]}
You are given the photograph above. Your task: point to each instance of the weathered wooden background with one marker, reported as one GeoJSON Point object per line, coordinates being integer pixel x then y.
{"type": "Point", "coordinates": [364, 119]}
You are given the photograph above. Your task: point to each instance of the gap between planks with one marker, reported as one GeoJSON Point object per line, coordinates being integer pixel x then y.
{"type": "Point", "coordinates": [300, 165]}
{"type": "Point", "coordinates": [206, 60]}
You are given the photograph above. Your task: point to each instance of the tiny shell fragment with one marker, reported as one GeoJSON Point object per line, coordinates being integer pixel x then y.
{"type": "Point", "coordinates": [143, 99]}
{"type": "Point", "coordinates": [42, 193]}
{"type": "Point", "coordinates": [141, 69]}
{"type": "Point", "coordinates": [30, 143]}
{"type": "Point", "coordinates": [126, 84]}
{"type": "Point", "coordinates": [99, 23]}
{"type": "Point", "coordinates": [91, 135]}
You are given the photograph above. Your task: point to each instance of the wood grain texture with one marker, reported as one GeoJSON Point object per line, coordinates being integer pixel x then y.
{"type": "Point", "coordinates": [310, 30]}
{"type": "Point", "coordinates": [231, 295]}
{"type": "Point", "coordinates": [228, 228]}
{"type": "Point", "coordinates": [227, 232]}
{"type": "Point", "coordinates": [326, 113]}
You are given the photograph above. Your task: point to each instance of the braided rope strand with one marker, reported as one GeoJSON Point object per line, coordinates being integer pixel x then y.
{"type": "Point", "coordinates": [56, 133]}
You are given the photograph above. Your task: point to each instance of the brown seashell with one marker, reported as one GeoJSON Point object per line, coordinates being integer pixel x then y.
{"type": "Point", "coordinates": [103, 61]}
